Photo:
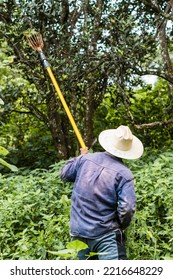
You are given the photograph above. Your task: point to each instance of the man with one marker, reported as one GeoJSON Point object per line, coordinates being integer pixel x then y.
{"type": "Point", "coordinates": [103, 200]}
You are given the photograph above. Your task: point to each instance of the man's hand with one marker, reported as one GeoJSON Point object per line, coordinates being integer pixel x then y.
{"type": "Point", "coordinates": [84, 151]}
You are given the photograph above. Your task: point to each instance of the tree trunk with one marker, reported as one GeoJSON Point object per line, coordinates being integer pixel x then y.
{"type": "Point", "coordinates": [58, 127]}
{"type": "Point", "coordinates": [89, 116]}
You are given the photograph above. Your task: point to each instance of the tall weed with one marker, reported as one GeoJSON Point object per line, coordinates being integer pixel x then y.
{"type": "Point", "coordinates": [34, 214]}
{"type": "Point", "coordinates": [150, 235]}
{"type": "Point", "coordinates": [35, 206]}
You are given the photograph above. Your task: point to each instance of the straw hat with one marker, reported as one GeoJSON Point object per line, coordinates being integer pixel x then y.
{"type": "Point", "coordinates": [121, 143]}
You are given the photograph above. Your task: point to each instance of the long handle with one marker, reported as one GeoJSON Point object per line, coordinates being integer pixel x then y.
{"type": "Point", "coordinates": [67, 110]}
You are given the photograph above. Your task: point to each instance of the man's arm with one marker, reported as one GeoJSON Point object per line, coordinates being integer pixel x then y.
{"type": "Point", "coordinates": [126, 203]}
{"type": "Point", "coordinates": [69, 171]}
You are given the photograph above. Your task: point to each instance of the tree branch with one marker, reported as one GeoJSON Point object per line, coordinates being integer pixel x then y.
{"type": "Point", "coordinates": [37, 113]}
{"type": "Point", "coordinates": [157, 10]}
{"type": "Point", "coordinates": [153, 124]}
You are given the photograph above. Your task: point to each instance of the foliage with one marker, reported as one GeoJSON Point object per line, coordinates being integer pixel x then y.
{"type": "Point", "coordinates": [29, 142]}
{"type": "Point", "coordinates": [4, 152]}
{"type": "Point", "coordinates": [98, 51]}
{"type": "Point", "coordinates": [34, 217]}
{"type": "Point", "coordinates": [71, 250]}
{"type": "Point", "coordinates": [26, 137]}
{"type": "Point", "coordinates": [91, 45]}
{"type": "Point", "coordinates": [150, 235]}
{"type": "Point", "coordinates": [153, 105]}
{"type": "Point", "coordinates": [34, 212]}
{"type": "Point", "coordinates": [146, 105]}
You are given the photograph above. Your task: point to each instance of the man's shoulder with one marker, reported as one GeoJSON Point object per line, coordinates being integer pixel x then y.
{"type": "Point", "coordinates": [111, 163]}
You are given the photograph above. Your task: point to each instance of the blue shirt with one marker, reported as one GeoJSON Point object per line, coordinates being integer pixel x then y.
{"type": "Point", "coordinates": [103, 198]}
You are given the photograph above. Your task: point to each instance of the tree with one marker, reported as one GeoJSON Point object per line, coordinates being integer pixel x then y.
{"type": "Point", "coordinates": [25, 136]}
{"type": "Point", "coordinates": [90, 45]}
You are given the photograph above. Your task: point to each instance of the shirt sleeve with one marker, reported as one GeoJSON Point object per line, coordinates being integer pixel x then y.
{"type": "Point", "coordinates": [69, 171]}
{"type": "Point", "coordinates": [126, 203]}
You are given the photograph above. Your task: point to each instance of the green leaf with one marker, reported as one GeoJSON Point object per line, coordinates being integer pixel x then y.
{"type": "Point", "coordinates": [71, 250]}
{"type": "Point", "coordinates": [167, 257]}
{"type": "Point", "coordinates": [92, 254]}
{"type": "Point", "coordinates": [3, 151]}
{"type": "Point", "coordinates": [1, 102]}
{"type": "Point", "coordinates": [77, 245]}
{"type": "Point", "coordinates": [64, 252]}
{"type": "Point", "coordinates": [10, 166]}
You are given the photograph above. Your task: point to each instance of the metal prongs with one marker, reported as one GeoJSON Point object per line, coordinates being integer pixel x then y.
{"type": "Point", "coordinates": [35, 41]}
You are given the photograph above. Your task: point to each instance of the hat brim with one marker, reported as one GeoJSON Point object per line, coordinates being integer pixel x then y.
{"type": "Point", "coordinates": [106, 141]}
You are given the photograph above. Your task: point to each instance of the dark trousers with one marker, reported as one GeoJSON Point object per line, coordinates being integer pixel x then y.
{"type": "Point", "coordinates": [110, 246]}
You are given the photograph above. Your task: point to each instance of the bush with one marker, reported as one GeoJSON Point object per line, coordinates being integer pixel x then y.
{"type": "Point", "coordinates": [34, 214]}
{"type": "Point", "coordinates": [35, 206]}
{"type": "Point", "coordinates": [150, 235]}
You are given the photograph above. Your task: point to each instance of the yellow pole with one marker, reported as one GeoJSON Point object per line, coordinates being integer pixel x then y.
{"type": "Point", "coordinates": [66, 107]}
